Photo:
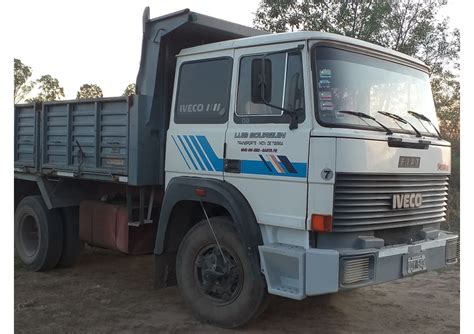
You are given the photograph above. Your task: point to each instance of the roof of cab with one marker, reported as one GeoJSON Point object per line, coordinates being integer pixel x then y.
{"type": "Point", "coordinates": [293, 37]}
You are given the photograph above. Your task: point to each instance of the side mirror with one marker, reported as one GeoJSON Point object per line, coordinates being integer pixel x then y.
{"type": "Point", "coordinates": [261, 86]}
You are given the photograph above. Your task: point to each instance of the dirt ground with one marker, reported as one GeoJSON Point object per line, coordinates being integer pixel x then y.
{"type": "Point", "coordinates": [107, 292]}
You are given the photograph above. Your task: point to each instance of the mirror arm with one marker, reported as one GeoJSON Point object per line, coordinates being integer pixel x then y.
{"type": "Point", "coordinates": [292, 114]}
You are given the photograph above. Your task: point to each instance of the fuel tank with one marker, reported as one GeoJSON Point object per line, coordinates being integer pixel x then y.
{"type": "Point", "coordinates": [106, 225]}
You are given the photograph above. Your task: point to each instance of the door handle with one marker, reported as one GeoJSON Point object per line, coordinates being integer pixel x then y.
{"type": "Point", "coordinates": [232, 166]}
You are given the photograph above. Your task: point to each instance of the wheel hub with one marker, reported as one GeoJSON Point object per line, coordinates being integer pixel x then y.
{"type": "Point", "coordinates": [29, 235]}
{"type": "Point", "coordinates": [218, 278]}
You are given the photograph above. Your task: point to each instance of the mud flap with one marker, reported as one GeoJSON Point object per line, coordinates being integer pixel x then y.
{"type": "Point", "coordinates": [165, 270]}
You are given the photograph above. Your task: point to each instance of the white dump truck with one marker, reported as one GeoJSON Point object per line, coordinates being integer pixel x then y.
{"type": "Point", "coordinates": [248, 163]}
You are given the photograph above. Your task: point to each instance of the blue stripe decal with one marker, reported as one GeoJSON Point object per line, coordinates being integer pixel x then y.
{"type": "Point", "coordinates": [201, 153]}
{"type": "Point", "coordinates": [180, 152]}
{"type": "Point", "coordinates": [187, 152]}
{"type": "Point", "coordinates": [265, 162]}
{"type": "Point", "coordinates": [258, 167]}
{"type": "Point", "coordinates": [287, 163]}
{"type": "Point", "coordinates": [194, 152]}
{"type": "Point", "coordinates": [217, 163]}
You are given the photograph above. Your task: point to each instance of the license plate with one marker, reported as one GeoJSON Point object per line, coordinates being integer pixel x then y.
{"type": "Point", "coordinates": [416, 264]}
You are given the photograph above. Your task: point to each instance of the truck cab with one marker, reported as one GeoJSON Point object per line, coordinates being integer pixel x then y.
{"type": "Point", "coordinates": [329, 187]}
{"type": "Point", "coordinates": [295, 164]}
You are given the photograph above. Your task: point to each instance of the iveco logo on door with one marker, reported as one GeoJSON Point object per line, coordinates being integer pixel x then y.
{"type": "Point", "coordinates": [407, 201]}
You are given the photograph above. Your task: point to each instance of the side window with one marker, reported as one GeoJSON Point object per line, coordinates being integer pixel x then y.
{"type": "Point", "coordinates": [245, 107]}
{"type": "Point", "coordinates": [294, 93]}
{"type": "Point", "coordinates": [203, 92]}
{"type": "Point", "coordinates": [286, 90]}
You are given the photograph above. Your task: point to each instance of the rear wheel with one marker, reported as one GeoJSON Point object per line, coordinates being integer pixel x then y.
{"type": "Point", "coordinates": [219, 283]}
{"type": "Point", "coordinates": [38, 234]}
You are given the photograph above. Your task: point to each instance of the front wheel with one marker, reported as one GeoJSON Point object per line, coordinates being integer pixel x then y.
{"type": "Point", "coordinates": [219, 283]}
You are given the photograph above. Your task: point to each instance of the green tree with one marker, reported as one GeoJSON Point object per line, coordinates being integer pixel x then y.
{"type": "Point", "coordinates": [410, 26]}
{"type": "Point", "coordinates": [447, 98]}
{"type": "Point", "coordinates": [130, 90]}
{"type": "Point", "coordinates": [89, 91]}
{"type": "Point", "coordinates": [22, 73]}
{"type": "Point", "coordinates": [359, 19]}
{"type": "Point", "coordinates": [49, 88]}
{"type": "Point", "coordinates": [447, 102]}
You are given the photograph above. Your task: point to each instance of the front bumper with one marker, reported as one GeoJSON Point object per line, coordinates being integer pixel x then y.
{"type": "Point", "coordinates": [295, 273]}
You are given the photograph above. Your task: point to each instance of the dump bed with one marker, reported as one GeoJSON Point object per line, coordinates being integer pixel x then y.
{"type": "Point", "coordinates": [119, 139]}
{"type": "Point", "coordinates": [26, 137]}
{"type": "Point", "coordinates": [103, 139]}
{"type": "Point", "coordinates": [74, 138]}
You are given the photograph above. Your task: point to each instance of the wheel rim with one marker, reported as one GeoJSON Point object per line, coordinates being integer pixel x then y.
{"type": "Point", "coordinates": [219, 280]}
{"type": "Point", "coordinates": [29, 235]}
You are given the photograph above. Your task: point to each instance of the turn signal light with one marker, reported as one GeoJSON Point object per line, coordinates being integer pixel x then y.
{"type": "Point", "coordinates": [321, 223]}
{"type": "Point", "coordinates": [200, 192]}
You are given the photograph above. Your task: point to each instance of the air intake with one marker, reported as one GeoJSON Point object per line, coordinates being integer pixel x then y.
{"type": "Point", "coordinates": [357, 270]}
{"type": "Point", "coordinates": [452, 251]}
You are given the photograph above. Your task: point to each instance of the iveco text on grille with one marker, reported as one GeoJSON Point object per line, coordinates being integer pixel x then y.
{"type": "Point", "coordinates": [406, 201]}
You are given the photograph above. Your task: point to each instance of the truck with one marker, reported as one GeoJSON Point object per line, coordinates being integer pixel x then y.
{"type": "Point", "coordinates": [294, 164]}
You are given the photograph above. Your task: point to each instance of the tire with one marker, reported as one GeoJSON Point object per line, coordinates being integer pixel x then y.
{"type": "Point", "coordinates": [224, 294]}
{"type": "Point", "coordinates": [38, 234]}
{"type": "Point", "coordinates": [71, 243]}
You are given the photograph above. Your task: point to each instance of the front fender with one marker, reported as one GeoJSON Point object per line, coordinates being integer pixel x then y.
{"type": "Point", "coordinates": [217, 192]}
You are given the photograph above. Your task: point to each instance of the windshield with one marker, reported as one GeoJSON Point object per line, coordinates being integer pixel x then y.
{"type": "Point", "coordinates": [350, 81]}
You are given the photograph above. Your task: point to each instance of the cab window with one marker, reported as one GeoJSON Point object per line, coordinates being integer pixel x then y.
{"type": "Point", "coordinates": [203, 91]}
{"type": "Point", "coordinates": [286, 89]}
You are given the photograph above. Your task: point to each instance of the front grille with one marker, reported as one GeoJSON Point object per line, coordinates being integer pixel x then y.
{"type": "Point", "coordinates": [363, 202]}
{"type": "Point", "coordinates": [356, 270]}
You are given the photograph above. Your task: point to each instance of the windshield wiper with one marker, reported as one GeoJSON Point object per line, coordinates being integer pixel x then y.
{"type": "Point", "coordinates": [426, 119]}
{"type": "Point", "coordinates": [400, 119]}
{"type": "Point", "coordinates": [363, 115]}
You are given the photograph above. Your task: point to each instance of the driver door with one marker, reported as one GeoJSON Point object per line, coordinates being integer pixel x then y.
{"type": "Point", "coordinates": [264, 159]}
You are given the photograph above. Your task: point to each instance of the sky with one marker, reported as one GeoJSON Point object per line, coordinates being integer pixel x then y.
{"type": "Point", "coordinates": [99, 41]}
